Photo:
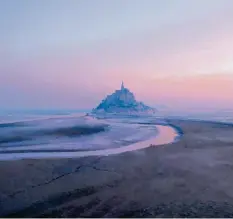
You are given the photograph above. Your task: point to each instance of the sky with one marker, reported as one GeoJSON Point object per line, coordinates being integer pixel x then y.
{"type": "Point", "coordinates": [72, 53]}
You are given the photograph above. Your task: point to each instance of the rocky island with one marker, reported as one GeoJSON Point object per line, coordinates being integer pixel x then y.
{"type": "Point", "coordinates": [123, 102]}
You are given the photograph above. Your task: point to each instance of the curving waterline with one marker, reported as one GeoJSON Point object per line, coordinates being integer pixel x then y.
{"type": "Point", "coordinates": [166, 135]}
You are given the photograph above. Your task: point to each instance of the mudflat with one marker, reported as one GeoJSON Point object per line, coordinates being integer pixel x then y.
{"type": "Point", "coordinates": [189, 178]}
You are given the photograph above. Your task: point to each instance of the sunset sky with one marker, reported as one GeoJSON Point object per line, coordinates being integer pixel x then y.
{"type": "Point", "coordinates": [72, 53]}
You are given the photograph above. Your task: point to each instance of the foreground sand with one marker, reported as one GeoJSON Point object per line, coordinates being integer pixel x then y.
{"type": "Point", "coordinates": [190, 178]}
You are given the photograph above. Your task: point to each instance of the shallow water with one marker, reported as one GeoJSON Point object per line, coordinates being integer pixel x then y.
{"type": "Point", "coordinates": [79, 136]}
{"type": "Point", "coordinates": [166, 135]}
{"type": "Point", "coordinates": [47, 131]}
{"type": "Point", "coordinates": [72, 133]}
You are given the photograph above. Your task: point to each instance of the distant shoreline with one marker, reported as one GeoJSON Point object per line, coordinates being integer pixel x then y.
{"type": "Point", "coordinates": [200, 120]}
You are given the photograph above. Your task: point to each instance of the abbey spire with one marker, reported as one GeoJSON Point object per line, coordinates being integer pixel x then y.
{"type": "Point", "coordinates": [122, 85]}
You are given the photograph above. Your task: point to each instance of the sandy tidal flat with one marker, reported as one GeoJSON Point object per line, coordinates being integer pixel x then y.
{"type": "Point", "coordinates": [190, 178]}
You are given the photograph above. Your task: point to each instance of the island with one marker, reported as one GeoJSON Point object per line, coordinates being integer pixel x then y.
{"type": "Point", "coordinates": [123, 102]}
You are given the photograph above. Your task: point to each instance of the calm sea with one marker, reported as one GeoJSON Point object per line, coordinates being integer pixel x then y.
{"type": "Point", "coordinates": [21, 115]}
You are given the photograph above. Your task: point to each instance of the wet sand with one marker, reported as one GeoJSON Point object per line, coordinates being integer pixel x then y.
{"type": "Point", "coordinates": [189, 178]}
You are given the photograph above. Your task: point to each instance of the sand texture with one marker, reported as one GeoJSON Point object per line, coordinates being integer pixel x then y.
{"type": "Point", "coordinates": [189, 178]}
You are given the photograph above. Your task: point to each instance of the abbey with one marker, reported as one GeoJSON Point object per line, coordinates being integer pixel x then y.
{"type": "Point", "coordinates": [123, 101]}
